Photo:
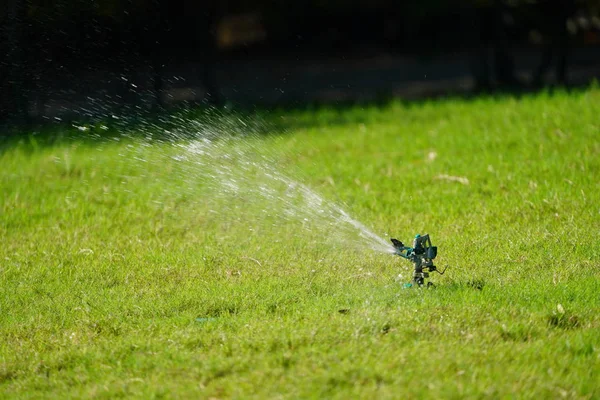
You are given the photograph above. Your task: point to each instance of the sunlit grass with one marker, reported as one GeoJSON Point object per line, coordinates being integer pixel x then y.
{"type": "Point", "coordinates": [123, 272]}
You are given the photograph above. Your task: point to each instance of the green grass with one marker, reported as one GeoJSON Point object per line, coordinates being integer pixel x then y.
{"type": "Point", "coordinates": [107, 261]}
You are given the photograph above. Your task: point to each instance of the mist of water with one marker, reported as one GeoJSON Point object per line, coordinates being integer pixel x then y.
{"type": "Point", "coordinates": [240, 175]}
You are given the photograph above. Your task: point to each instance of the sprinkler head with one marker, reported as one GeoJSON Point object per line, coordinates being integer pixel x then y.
{"type": "Point", "coordinates": [421, 255]}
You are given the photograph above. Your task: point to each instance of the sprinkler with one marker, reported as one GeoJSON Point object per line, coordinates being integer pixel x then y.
{"type": "Point", "coordinates": [422, 254]}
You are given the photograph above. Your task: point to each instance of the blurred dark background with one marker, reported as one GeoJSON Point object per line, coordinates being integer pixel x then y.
{"type": "Point", "coordinates": [74, 58]}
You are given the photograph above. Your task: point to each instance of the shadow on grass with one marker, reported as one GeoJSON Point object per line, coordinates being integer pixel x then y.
{"type": "Point", "coordinates": [190, 121]}
{"type": "Point", "coordinates": [472, 285]}
{"type": "Point", "coordinates": [290, 117]}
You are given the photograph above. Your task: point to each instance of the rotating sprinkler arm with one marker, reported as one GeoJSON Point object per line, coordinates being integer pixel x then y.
{"type": "Point", "coordinates": [402, 250]}
{"type": "Point", "coordinates": [421, 254]}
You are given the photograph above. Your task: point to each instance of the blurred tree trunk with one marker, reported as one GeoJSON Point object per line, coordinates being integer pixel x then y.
{"type": "Point", "coordinates": [158, 52]}
{"type": "Point", "coordinates": [492, 61]}
{"type": "Point", "coordinates": [209, 58]}
{"type": "Point", "coordinates": [553, 25]}
{"type": "Point", "coordinates": [13, 100]}
{"type": "Point", "coordinates": [504, 64]}
{"type": "Point", "coordinates": [477, 34]}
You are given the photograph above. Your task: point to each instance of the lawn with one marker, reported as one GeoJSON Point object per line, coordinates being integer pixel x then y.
{"type": "Point", "coordinates": [206, 256]}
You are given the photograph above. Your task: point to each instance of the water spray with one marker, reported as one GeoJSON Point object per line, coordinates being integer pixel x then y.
{"type": "Point", "coordinates": [421, 254]}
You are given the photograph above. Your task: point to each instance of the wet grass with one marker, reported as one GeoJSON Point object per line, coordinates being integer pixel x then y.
{"type": "Point", "coordinates": [117, 279]}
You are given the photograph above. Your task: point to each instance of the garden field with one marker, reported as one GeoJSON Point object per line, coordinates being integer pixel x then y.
{"type": "Point", "coordinates": [211, 255]}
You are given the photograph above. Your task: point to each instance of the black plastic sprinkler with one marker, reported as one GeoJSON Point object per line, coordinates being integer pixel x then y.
{"type": "Point", "coordinates": [422, 254]}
